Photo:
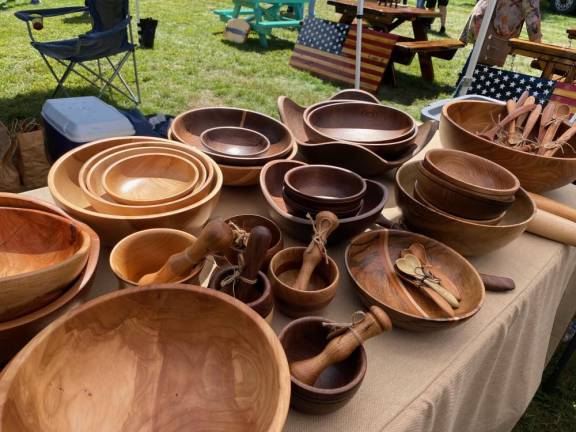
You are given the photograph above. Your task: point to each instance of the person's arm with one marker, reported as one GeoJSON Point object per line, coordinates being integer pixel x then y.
{"type": "Point", "coordinates": [531, 13]}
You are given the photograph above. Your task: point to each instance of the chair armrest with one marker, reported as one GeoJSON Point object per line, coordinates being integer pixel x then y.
{"type": "Point", "coordinates": [111, 31]}
{"type": "Point", "coordinates": [28, 15]}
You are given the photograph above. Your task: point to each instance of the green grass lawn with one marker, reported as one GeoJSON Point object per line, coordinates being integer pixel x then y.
{"type": "Point", "coordinates": [192, 66]}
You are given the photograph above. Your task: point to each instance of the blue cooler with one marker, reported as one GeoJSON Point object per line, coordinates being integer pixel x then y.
{"type": "Point", "coordinates": [71, 122]}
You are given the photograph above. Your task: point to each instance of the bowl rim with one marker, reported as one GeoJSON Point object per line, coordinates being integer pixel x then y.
{"type": "Point", "coordinates": [209, 149]}
{"type": "Point", "coordinates": [270, 222]}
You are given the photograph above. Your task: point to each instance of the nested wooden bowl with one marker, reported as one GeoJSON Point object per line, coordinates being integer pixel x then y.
{"type": "Point", "coordinates": [64, 186]}
{"type": "Point", "coordinates": [234, 141]}
{"type": "Point", "coordinates": [161, 357]}
{"type": "Point", "coordinates": [462, 120]}
{"type": "Point", "coordinates": [14, 334]}
{"type": "Point", "coordinates": [355, 94]}
{"type": "Point", "coordinates": [370, 261]}
{"type": "Point", "coordinates": [466, 237]}
{"type": "Point", "coordinates": [306, 337]}
{"type": "Point", "coordinates": [146, 252]}
{"type": "Point", "coordinates": [298, 207]}
{"type": "Point", "coordinates": [283, 271]}
{"type": "Point", "coordinates": [41, 253]}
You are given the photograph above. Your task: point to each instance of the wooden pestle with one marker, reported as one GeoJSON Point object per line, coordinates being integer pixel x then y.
{"type": "Point", "coordinates": [554, 207]}
{"type": "Point", "coordinates": [338, 349]}
{"type": "Point", "coordinates": [215, 237]}
{"type": "Point", "coordinates": [326, 222]}
{"type": "Point", "coordinates": [254, 256]}
{"type": "Point", "coordinates": [553, 227]}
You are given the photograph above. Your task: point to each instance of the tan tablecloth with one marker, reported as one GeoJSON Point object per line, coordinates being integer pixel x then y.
{"type": "Point", "coordinates": [479, 376]}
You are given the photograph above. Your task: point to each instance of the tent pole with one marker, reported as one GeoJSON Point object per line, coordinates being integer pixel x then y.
{"type": "Point", "coordinates": [359, 17]}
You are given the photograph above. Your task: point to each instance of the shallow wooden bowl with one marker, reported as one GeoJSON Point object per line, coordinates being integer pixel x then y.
{"type": "Point", "coordinates": [283, 271]}
{"type": "Point", "coordinates": [271, 184]}
{"type": "Point", "coordinates": [164, 357]}
{"type": "Point", "coordinates": [465, 237]}
{"type": "Point", "coordinates": [234, 141]}
{"type": "Point", "coordinates": [148, 179]}
{"type": "Point", "coordinates": [370, 261]}
{"type": "Point", "coordinates": [459, 124]}
{"type": "Point", "coordinates": [64, 187]}
{"type": "Point", "coordinates": [40, 255]}
{"type": "Point", "coordinates": [14, 334]}
{"type": "Point", "coordinates": [146, 252]}
{"type": "Point", "coordinates": [306, 337]}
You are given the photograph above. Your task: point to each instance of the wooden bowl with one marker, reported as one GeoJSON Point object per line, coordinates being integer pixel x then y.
{"type": "Point", "coordinates": [459, 124]}
{"type": "Point", "coordinates": [465, 237]}
{"type": "Point", "coordinates": [283, 271]}
{"type": "Point", "coordinates": [40, 255]}
{"type": "Point", "coordinates": [147, 251]}
{"type": "Point", "coordinates": [148, 179]}
{"type": "Point", "coordinates": [355, 94]}
{"type": "Point", "coordinates": [14, 334]}
{"type": "Point", "coordinates": [306, 337]}
{"type": "Point", "coordinates": [188, 126]}
{"type": "Point", "coordinates": [271, 183]}
{"type": "Point", "coordinates": [370, 261]}
{"type": "Point", "coordinates": [64, 187]}
{"type": "Point", "coordinates": [164, 357]}
{"type": "Point", "coordinates": [262, 303]}
{"type": "Point", "coordinates": [234, 141]}
{"type": "Point", "coordinates": [302, 208]}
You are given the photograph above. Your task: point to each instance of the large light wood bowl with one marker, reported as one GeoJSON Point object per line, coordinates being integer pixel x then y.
{"type": "Point", "coordinates": [40, 255]}
{"type": "Point", "coordinates": [14, 334]}
{"type": "Point", "coordinates": [466, 237]}
{"type": "Point", "coordinates": [370, 261]}
{"type": "Point", "coordinates": [460, 122]}
{"type": "Point", "coordinates": [165, 357]}
{"type": "Point", "coordinates": [63, 184]}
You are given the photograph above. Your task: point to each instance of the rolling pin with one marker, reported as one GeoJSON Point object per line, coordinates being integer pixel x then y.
{"type": "Point", "coordinates": [553, 207]}
{"type": "Point", "coordinates": [553, 227]}
{"type": "Point", "coordinates": [254, 256]}
{"type": "Point", "coordinates": [338, 349]}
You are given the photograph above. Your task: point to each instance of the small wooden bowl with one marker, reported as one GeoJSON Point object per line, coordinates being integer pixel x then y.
{"type": "Point", "coordinates": [284, 268]}
{"type": "Point", "coordinates": [148, 179]}
{"type": "Point", "coordinates": [306, 337]}
{"type": "Point", "coordinates": [262, 303]}
{"type": "Point", "coordinates": [234, 141]}
{"type": "Point", "coordinates": [355, 94]}
{"type": "Point", "coordinates": [146, 356]}
{"type": "Point", "coordinates": [147, 251]}
{"type": "Point", "coordinates": [41, 253]}
{"type": "Point", "coordinates": [300, 208]}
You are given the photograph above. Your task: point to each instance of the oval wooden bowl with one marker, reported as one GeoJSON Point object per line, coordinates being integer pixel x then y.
{"type": "Point", "coordinates": [234, 141]}
{"type": "Point", "coordinates": [147, 251]}
{"type": "Point", "coordinates": [460, 122]}
{"type": "Point", "coordinates": [283, 271]}
{"type": "Point", "coordinates": [41, 253]}
{"type": "Point", "coordinates": [148, 179]}
{"type": "Point", "coordinates": [465, 237]}
{"type": "Point", "coordinates": [188, 126]}
{"type": "Point", "coordinates": [306, 337]}
{"type": "Point", "coordinates": [271, 181]}
{"type": "Point", "coordinates": [262, 302]}
{"type": "Point", "coordinates": [146, 356]}
{"type": "Point", "coordinates": [370, 261]}
{"type": "Point", "coordinates": [14, 334]}
{"type": "Point", "coordinates": [64, 187]}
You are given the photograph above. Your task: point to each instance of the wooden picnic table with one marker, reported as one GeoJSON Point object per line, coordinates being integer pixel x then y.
{"type": "Point", "coordinates": [571, 33]}
{"type": "Point", "coordinates": [550, 59]}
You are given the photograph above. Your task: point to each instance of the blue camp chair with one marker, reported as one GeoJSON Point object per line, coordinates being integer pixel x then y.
{"type": "Point", "coordinates": [110, 37]}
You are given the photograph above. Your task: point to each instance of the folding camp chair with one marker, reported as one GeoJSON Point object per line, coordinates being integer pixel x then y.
{"type": "Point", "coordinates": [110, 37]}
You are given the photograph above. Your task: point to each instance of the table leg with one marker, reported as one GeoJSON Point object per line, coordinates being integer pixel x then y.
{"type": "Point", "coordinates": [390, 75]}
{"type": "Point", "coordinates": [426, 66]}
{"type": "Point", "coordinates": [571, 75]}
{"type": "Point", "coordinates": [548, 70]}
{"type": "Point", "coordinates": [347, 18]}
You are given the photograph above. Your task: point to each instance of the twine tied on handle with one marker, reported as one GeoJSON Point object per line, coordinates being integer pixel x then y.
{"type": "Point", "coordinates": [318, 237]}
{"type": "Point", "coordinates": [237, 276]}
{"type": "Point", "coordinates": [241, 236]}
{"type": "Point", "coordinates": [336, 329]}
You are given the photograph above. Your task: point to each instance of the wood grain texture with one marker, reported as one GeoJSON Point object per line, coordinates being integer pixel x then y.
{"type": "Point", "coordinates": [234, 141]}
{"type": "Point", "coordinates": [554, 207]}
{"type": "Point", "coordinates": [167, 357]}
{"type": "Point", "coordinates": [539, 48]}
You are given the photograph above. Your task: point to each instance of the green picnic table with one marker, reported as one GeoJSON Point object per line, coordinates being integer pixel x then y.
{"type": "Point", "coordinates": [265, 15]}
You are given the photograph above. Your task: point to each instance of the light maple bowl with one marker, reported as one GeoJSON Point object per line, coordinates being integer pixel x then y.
{"type": "Point", "coordinates": [40, 255]}
{"type": "Point", "coordinates": [64, 186]}
{"type": "Point", "coordinates": [164, 357]}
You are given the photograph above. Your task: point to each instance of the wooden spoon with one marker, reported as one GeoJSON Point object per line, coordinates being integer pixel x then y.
{"type": "Point", "coordinates": [510, 107]}
{"type": "Point", "coordinates": [214, 238]}
{"type": "Point", "coordinates": [545, 119]}
{"type": "Point", "coordinates": [531, 122]}
{"type": "Point", "coordinates": [561, 113]}
{"type": "Point", "coordinates": [326, 222]}
{"type": "Point", "coordinates": [522, 98]}
{"type": "Point", "coordinates": [491, 133]}
{"type": "Point", "coordinates": [339, 349]}
{"type": "Point", "coordinates": [530, 100]}
{"type": "Point", "coordinates": [433, 295]}
{"type": "Point", "coordinates": [562, 139]}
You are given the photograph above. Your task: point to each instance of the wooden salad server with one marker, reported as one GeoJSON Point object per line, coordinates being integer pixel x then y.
{"type": "Point", "coordinates": [531, 122]}
{"type": "Point", "coordinates": [510, 107]}
{"type": "Point", "coordinates": [339, 348]}
{"type": "Point", "coordinates": [491, 133]}
{"type": "Point", "coordinates": [553, 227]}
{"type": "Point", "coordinates": [545, 120]}
{"type": "Point", "coordinates": [554, 207]}
{"type": "Point", "coordinates": [561, 113]}
{"type": "Point", "coordinates": [215, 237]}
{"type": "Point", "coordinates": [326, 222]}
{"type": "Point", "coordinates": [530, 100]}
{"type": "Point", "coordinates": [438, 300]}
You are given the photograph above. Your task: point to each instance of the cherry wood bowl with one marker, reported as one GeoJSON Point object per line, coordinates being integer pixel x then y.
{"type": "Point", "coordinates": [234, 141]}
{"type": "Point", "coordinates": [148, 179]}
{"type": "Point", "coordinates": [462, 120]}
{"type": "Point", "coordinates": [41, 253]}
{"type": "Point", "coordinates": [64, 186]}
{"type": "Point", "coordinates": [146, 252]}
{"type": "Point", "coordinates": [161, 357]}
{"type": "Point", "coordinates": [271, 184]}
{"type": "Point", "coordinates": [370, 261]}
{"type": "Point", "coordinates": [355, 94]}
{"type": "Point", "coordinates": [466, 237]}
{"type": "Point", "coordinates": [306, 337]}
{"type": "Point", "coordinates": [283, 271]}
{"type": "Point", "coordinates": [14, 334]}
{"type": "Point", "coordinates": [262, 302]}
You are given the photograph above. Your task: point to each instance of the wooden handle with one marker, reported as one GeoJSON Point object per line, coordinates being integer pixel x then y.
{"type": "Point", "coordinates": [530, 100]}
{"type": "Point", "coordinates": [554, 207]}
{"type": "Point", "coordinates": [553, 227]}
{"type": "Point", "coordinates": [497, 283]}
{"type": "Point", "coordinates": [254, 256]}
{"type": "Point", "coordinates": [338, 349]}
{"type": "Point", "coordinates": [510, 107]}
{"type": "Point", "coordinates": [544, 120]}
{"type": "Point", "coordinates": [532, 120]}
{"type": "Point", "coordinates": [568, 134]}
{"type": "Point", "coordinates": [490, 134]}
